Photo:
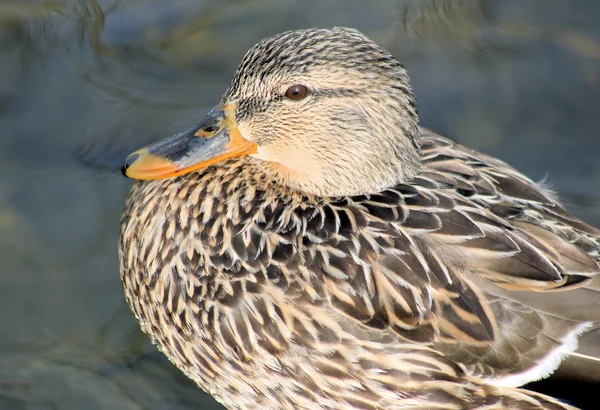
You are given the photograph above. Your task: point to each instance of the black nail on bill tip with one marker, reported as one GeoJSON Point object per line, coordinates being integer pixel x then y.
{"type": "Point", "coordinates": [128, 161]}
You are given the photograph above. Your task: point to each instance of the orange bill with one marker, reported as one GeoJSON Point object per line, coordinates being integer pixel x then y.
{"type": "Point", "coordinates": [215, 138]}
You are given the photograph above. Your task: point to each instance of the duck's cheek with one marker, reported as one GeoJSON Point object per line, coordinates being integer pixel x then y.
{"type": "Point", "coordinates": [267, 154]}
{"type": "Point", "coordinates": [288, 158]}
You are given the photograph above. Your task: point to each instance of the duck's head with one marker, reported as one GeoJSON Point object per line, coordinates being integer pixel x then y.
{"type": "Point", "coordinates": [328, 111]}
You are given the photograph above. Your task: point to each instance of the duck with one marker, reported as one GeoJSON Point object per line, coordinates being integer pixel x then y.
{"type": "Point", "coordinates": [309, 245]}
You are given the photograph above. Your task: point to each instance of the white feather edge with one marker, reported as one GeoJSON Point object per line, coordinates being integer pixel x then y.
{"type": "Point", "coordinates": [548, 365]}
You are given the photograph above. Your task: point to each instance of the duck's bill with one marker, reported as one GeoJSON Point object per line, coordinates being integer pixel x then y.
{"type": "Point", "coordinates": [215, 138]}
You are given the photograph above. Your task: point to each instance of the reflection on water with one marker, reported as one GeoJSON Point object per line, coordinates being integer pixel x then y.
{"type": "Point", "coordinates": [85, 81]}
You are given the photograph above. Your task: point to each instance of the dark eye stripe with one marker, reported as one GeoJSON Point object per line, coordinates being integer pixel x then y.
{"type": "Point", "coordinates": [336, 92]}
{"type": "Point", "coordinates": [253, 105]}
{"type": "Point", "coordinates": [327, 93]}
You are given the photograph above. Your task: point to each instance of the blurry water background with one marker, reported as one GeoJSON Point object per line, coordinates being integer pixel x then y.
{"type": "Point", "coordinates": [88, 81]}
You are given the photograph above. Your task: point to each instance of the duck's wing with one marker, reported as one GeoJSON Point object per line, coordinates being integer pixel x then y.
{"type": "Point", "coordinates": [346, 300]}
{"type": "Point", "coordinates": [471, 257]}
{"type": "Point", "coordinates": [538, 317]}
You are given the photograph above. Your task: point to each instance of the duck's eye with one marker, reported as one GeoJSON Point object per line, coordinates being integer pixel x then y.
{"type": "Point", "coordinates": [296, 92]}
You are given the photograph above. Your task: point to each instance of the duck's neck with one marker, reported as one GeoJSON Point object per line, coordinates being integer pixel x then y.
{"type": "Point", "coordinates": [343, 175]}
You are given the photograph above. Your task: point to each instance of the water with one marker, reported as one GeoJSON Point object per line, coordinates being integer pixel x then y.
{"type": "Point", "coordinates": [86, 81]}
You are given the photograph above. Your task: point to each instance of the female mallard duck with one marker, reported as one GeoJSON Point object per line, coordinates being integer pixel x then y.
{"type": "Point", "coordinates": [316, 249]}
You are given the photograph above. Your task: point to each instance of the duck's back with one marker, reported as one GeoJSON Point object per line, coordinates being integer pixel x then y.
{"type": "Point", "coordinates": [540, 262]}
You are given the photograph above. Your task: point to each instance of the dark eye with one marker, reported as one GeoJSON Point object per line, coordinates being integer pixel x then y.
{"type": "Point", "coordinates": [296, 92]}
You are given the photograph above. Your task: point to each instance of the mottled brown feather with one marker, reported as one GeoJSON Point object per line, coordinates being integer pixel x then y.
{"type": "Point", "coordinates": [235, 284]}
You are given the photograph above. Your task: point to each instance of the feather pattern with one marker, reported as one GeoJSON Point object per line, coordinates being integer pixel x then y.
{"type": "Point", "coordinates": [270, 298]}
